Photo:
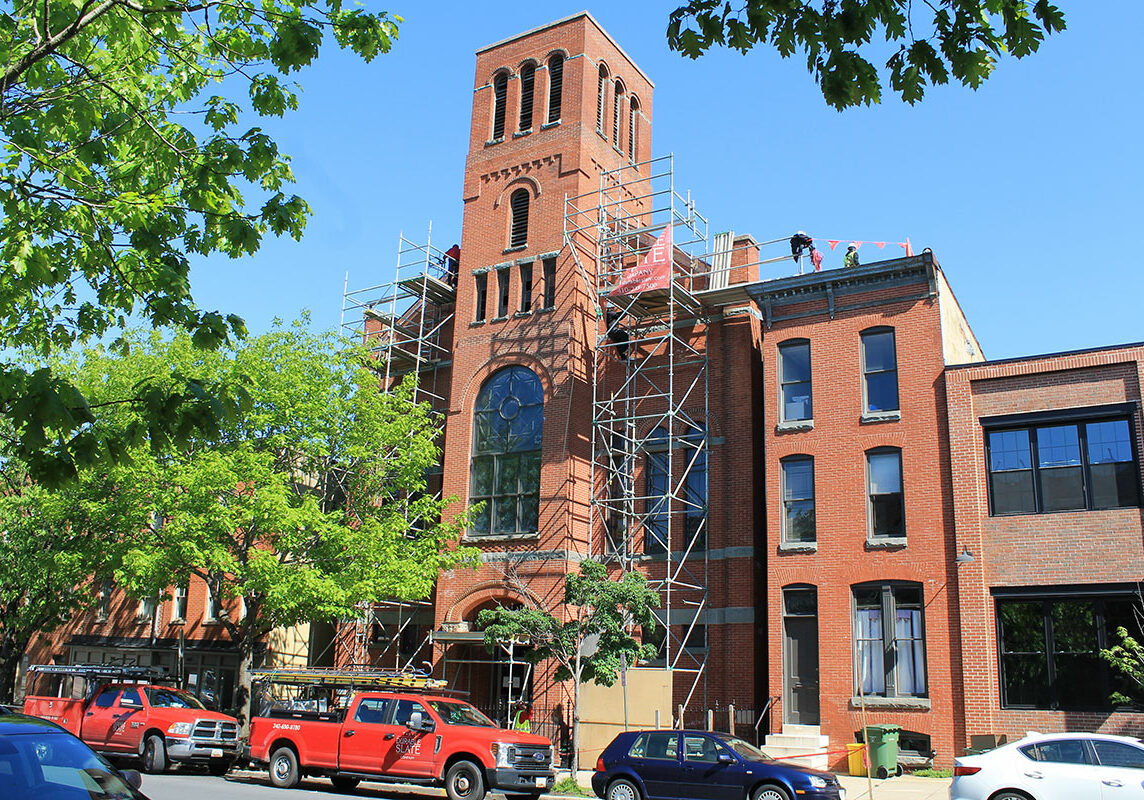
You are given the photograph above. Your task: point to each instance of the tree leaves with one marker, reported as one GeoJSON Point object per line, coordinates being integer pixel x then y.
{"type": "Point", "coordinates": [836, 35]}
{"type": "Point", "coordinates": [120, 157]}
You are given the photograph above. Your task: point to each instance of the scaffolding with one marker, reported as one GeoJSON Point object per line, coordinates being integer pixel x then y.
{"type": "Point", "coordinates": [406, 324]}
{"type": "Point", "coordinates": [650, 395]}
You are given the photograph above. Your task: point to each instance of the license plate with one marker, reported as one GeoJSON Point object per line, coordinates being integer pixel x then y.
{"type": "Point", "coordinates": [841, 793]}
{"type": "Point", "coordinates": [541, 783]}
{"type": "Point", "coordinates": [216, 752]}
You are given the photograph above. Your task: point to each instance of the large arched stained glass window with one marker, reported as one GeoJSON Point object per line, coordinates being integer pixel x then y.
{"type": "Point", "coordinates": [507, 425]}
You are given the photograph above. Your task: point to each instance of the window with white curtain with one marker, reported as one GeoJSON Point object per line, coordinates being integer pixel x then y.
{"type": "Point", "coordinates": [889, 640]}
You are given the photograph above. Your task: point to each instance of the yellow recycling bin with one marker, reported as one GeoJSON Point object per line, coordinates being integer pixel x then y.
{"type": "Point", "coordinates": [856, 758]}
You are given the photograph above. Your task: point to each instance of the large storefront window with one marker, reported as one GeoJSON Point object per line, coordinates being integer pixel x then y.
{"type": "Point", "coordinates": [1050, 650]}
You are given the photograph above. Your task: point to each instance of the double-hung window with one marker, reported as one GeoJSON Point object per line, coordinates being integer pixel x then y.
{"type": "Point", "coordinates": [1062, 466]}
{"type": "Point", "coordinates": [879, 371]}
{"type": "Point", "coordinates": [794, 379]}
{"type": "Point", "coordinates": [889, 640]}
{"type": "Point", "coordinates": [886, 503]}
{"type": "Point", "coordinates": [798, 500]}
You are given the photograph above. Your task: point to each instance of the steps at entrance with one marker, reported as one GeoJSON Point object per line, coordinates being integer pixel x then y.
{"type": "Point", "coordinates": [805, 742]}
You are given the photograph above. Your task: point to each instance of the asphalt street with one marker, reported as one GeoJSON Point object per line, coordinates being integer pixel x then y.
{"type": "Point", "coordinates": [252, 786]}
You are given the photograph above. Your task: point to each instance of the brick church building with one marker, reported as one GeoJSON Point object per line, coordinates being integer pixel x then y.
{"type": "Point", "coordinates": [851, 515]}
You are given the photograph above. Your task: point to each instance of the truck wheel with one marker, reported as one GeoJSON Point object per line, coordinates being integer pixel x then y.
{"type": "Point", "coordinates": [344, 783]}
{"type": "Point", "coordinates": [284, 771]}
{"type": "Point", "coordinates": [154, 755]}
{"type": "Point", "coordinates": [463, 781]}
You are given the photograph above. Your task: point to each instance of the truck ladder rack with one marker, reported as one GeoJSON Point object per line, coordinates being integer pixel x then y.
{"type": "Point", "coordinates": [351, 679]}
{"type": "Point", "coordinates": [128, 672]}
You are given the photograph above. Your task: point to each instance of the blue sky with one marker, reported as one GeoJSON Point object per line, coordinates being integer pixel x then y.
{"type": "Point", "coordinates": [1030, 191]}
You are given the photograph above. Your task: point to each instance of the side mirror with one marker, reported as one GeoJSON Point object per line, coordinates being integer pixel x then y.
{"type": "Point", "coordinates": [419, 722]}
{"type": "Point", "coordinates": [726, 758]}
{"type": "Point", "coordinates": [132, 777]}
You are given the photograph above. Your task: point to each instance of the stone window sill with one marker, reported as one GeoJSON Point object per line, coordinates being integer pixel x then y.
{"type": "Point", "coordinates": [491, 142]}
{"type": "Point", "coordinates": [898, 703]}
{"type": "Point", "coordinates": [476, 323]}
{"type": "Point", "coordinates": [498, 319]}
{"type": "Point", "coordinates": [795, 425]}
{"type": "Point", "coordinates": [546, 310]}
{"type": "Point", "coordinates": [518, 134]}
{"type": "Point", "coordinates": [470, 538]}
{"type": "Point", "coordinates": [887, 543]}
{"type": "Point", "coordinates": [874, 417]}
{"type": "Point", "coordinates": [520, 314]}
{"type": "Point", "coordinates": [798, 547]}
{"type": "Point", "coordinates": [548, 125]}
{"type": "Point", "coordinates": [515, 249]}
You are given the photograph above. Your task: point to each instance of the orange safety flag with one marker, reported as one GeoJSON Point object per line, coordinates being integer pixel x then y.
{"type": "Point", "coordinates": [906, 244]}
{"type": "Point", "coordinates": [880, 244]}
{"type": "Point", "coordinates": [833, 243]}
{"type": "Point", "coordinates": [654, 272]}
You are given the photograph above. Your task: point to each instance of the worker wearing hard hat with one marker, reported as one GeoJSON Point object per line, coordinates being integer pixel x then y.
{"type": "Point", "coordinates": [851, 259]}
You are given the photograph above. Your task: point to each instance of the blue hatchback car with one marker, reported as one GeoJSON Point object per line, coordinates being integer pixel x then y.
{"type": "Point", "coordinates": [697, 765]}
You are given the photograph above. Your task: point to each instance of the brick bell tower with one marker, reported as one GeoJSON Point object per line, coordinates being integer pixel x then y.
{"type": "Point", "coordinates": [552, 109]}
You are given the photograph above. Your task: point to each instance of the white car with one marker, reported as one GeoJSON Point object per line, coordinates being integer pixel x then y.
{"type": "Point", "coordinates": [1057, 766]}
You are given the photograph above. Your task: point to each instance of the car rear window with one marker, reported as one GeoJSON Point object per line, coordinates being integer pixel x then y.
{"type": "Point", "coordinates": [663, 746]}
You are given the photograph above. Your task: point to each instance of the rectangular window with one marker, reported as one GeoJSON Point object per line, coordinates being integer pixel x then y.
{"type": "Point", "coordinates": [502, 293]}
{"type": "Point", "coordinates": [146, 610]}
{"type": "Point", "coordinates": [794, 379]}
{"type": "Point", "coordinates": [879, 371]}
{"type": "Point", "coordinates": [1062, 467]}
{"type": "Point", "coordinates": [482, 296]}
{"type": "Point", "coordinates": [179, 604]}
{"type": "Point", "coordinates": [889, 640]}
{"type": "Point", "coordinates": [550, 283]}
{"type": "Point", "coordinates": [526, 287]}
{"type": "Point", "coordinates": [213, 605]}
{"type": "Point", "coordinates": [1050, 651]}
{"type": "Point", "coordinates": [798, 500]}
{"type": "Point", "coordinates": [886, 501]}
{"type": "Point", "coordinates": [657, 526]}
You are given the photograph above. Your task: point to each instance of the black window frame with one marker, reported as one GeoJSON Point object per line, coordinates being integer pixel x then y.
{"type": "Point", "coordinates": [618, 92]}
{"type": "Point", "coordinates": [1035, 468]}
{"type": "Point", "coordinates": [482, 297]}
{"type": "Point", "coordinates": [788, 502]}
{"type": "Point", "coordinates": [601, 98]}
{"type": "Point", "coordinates": [555, 87]}
{"type": "Point", "coordinates": [785, 350]}
{"type": "Point", "coordinates": [1108, 679]}
{"type": "Point", "coordinates": [500, 105]}
{"type": "Point", "coordinates": [504, 292]}
{"type": "Point", "coordinates": [549, 266]}
{"type": "Point", "coordinates": [865, 336]}
{"type": "Point", "coordinates": [526, 287]}
{"type": "Point", "coordinates": [871, 533]}
{"type": "Point", "coordinates": [527, 96]}
{"type": "Point", "coordinates": [633, 127]}
{"type": "Point", "coordinates": [889, 604]}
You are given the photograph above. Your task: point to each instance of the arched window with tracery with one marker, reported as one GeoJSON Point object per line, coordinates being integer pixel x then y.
{"type": "Point", "coordinates": [500, 97]}
{"type": "Point", "coordinates": [617, 113]}
{"type": "Point", "coordinates": [508, 423]}
{"type": "Point", "coordinates": [601, 99]}
{"type": "Point", "coordinates": [555, 86]}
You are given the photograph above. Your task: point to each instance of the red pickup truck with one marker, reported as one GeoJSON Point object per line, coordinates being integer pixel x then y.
{"type": "Point", "coordinates": [136, 717]}
{"type": "Point", "coordinates": [400, 737]}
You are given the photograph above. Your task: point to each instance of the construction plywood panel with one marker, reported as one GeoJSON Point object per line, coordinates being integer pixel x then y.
{"type": "Point", "coordinates": [603, 709]}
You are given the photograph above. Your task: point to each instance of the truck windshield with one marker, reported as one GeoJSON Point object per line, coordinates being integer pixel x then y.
{"type": "Point", "coordinates": [172, 698]}
{"type": "Point", "coordinates": [461, 714]}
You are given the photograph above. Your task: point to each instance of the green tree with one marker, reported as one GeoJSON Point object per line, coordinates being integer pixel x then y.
{"type": "Point", "coordinates": [311, 503]}
{"type": "Point", "coordinates": [128, 147]}
{"type": "Point", "coordinates": [927, 42]}
{"type": "Point", "coordinates": [591, 639]}
{"type": "Point", "coordinates": [51, 544]}
{"type": "Point", "coordinates": [1127, 657]}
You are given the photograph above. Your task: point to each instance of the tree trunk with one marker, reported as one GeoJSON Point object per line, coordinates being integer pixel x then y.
{"type": "Point", "coordinates": [245, 665]}
{"type": "Point", "coordinates": [576, 718]}
{"type": "Point", "coordinates": [11, 651]}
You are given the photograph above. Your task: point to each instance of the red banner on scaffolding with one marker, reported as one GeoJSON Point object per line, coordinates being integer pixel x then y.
{"type": "Point", "coordinates": [654, 272]}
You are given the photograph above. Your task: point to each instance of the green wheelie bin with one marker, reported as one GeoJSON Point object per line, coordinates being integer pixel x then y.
{"type": "Point", "coordinates": [883, 743]}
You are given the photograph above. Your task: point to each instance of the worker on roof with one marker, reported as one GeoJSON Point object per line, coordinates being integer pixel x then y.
{"type": "Point", "coordinates": [798, 243]}
{"type": "Point", "coordinates": [851, 259]}
{"type": "Point", "coordinates": [452, 264]}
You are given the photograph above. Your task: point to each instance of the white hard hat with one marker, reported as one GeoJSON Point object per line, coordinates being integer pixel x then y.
{"type": "Point", "coordinates": [852, 246]}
